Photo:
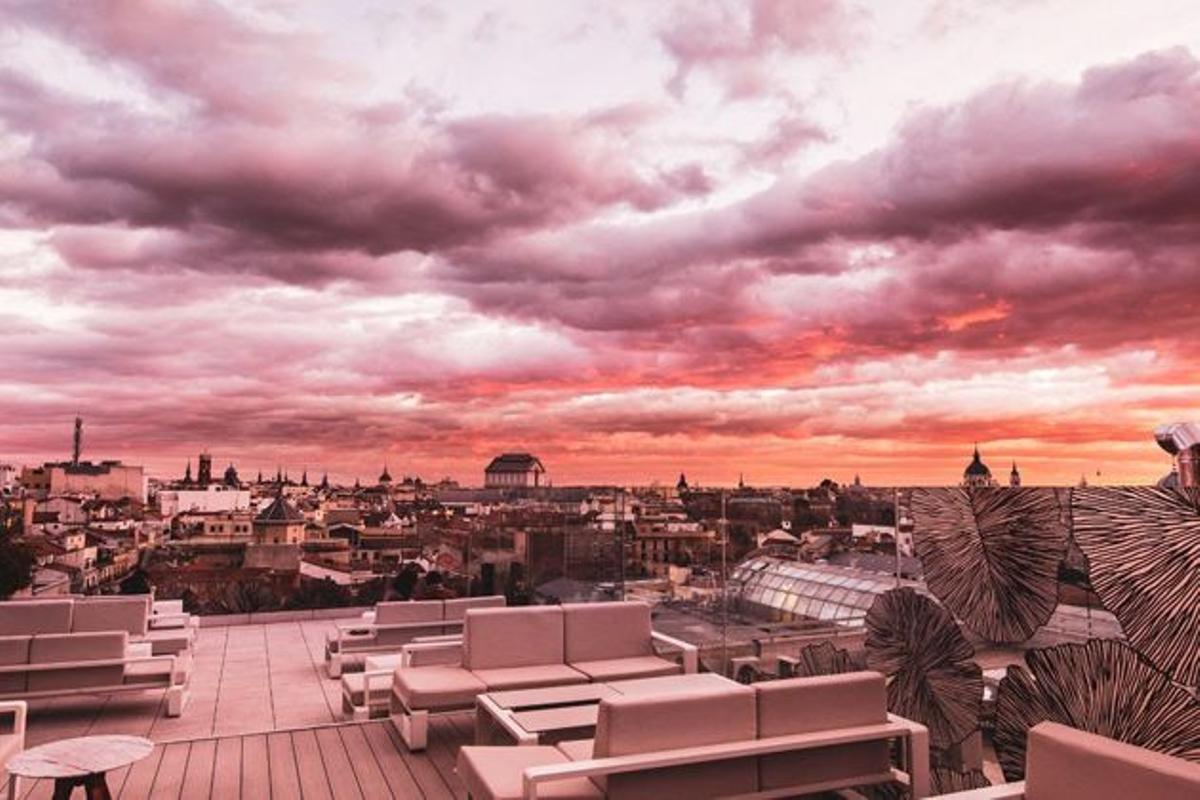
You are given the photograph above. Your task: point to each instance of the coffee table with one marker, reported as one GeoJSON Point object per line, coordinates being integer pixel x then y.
{"type": "Point", "coordinates": [529, 716]}
{"type": "Point", "coordinates": [81, 761]}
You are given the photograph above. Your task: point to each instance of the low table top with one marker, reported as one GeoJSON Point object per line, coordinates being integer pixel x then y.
{"type": "Point", "coordinates": [552, 696]}
{"type": "Point", "coordinates": [85, 755]}
{"type": "Point", "coordinates": [562, 718]}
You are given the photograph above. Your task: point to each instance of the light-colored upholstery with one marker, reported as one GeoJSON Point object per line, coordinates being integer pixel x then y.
{"type": "Point", "coordinates": [497, 638]}
{"type": "Point", "coordinates": [577, 749]}
{"type": "Point", "coordinates": [27, 617]}
{"type": "Point", "coordinates": [404, 611]}
{"type": "Point", "coordinates": [168, 641]}
{"type": "Point", "coordinates": [14, 650]}
{"type": "Point", "coordinates": [629, 725]}
{"type": "Point", "coordinates": [1063, 762]}
{"type": "Point", "coordinates": [436, 687]}
{"type": "Point", "coordinates": [602, 631]}
{"type": "Point", "coordinates": [152, 672]}
{"type": "Point", "coordinates": [495, 773]}
{"type": "Point", "coordinates": [58, 647]}
{"type": "Point", "coordinates": [616, 669]}
{"type": "Point", "coordinates": [827, 702]}
{"type": "Point", "coordinates": [129, 614]}
{"type": "Point", "coordinates": [537, 675]}
{"type": "Point", "coordinates": [454, 611]}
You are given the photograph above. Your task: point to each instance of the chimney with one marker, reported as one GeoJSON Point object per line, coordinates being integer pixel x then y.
{"type": "Point", "coordinates": [1182, 440]}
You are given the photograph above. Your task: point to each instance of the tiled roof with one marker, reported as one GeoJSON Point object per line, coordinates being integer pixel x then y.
{"type": "Point", "coordinates": [280, 510]}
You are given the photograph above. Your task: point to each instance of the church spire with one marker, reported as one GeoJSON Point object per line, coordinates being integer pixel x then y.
{"type": "Point", "coordinates": [187, 474]}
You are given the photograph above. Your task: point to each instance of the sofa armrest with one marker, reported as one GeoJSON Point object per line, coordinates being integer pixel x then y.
{"type": "Point", "coordinates": [1003, 791]}
{"type": "Point", "coordinates": [13, 715]}
{"type": "Point", "coordinates": [374, 679]}
{"type": "Point", "coordinates": [689, 652]}
{"type": "Point", "coordinates": [533, 777]}
{"type": "Point", "coordinates": [424, 654]}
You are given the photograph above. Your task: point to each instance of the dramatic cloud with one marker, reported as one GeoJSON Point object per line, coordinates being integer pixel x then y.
{"type": "Point", "coordinates": [330, 238]}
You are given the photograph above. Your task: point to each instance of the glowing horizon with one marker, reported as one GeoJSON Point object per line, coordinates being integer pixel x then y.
{"type": "Point", "coordinates": [793, 240]}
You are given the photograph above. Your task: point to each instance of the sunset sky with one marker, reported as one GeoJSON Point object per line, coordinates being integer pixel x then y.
{"type": "Point", "coordinates": [787, 239]}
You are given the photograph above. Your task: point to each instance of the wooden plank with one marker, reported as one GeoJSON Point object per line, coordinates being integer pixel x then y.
{"type": "Point", "coordinates": [256, 770]}
{"type": "Point", "coordinates": [370, 778]}
{"type": "Point", "coordinates": [314, 783]}
{"type": "Point", "coordinates": [442, 753]}
{"type": "Point", "coordinates": [197, 781]}
{"type": "Point", "coordinates": [395, 771]}
{"type": "Point", "coordinates": [284, 780]}
{"type": "Point", "coordinates": [168, 782]}
{"type": "Point", "coordinates": [227, 769]}
{"type": "Point", "coordinates": [422, 769]}
{"type": "Point", "coordinates": [337, 764]}
{"type": "Point", "coordinates": [141, 777]}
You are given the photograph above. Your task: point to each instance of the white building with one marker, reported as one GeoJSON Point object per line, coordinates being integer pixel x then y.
{"type": "Point", "coordinates": [213, 498]}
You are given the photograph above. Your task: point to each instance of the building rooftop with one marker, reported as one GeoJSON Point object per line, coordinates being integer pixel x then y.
{"type": "Point", "coordinates": [263, 721]}
{"type": "Point", "coordinates": [514, 462]}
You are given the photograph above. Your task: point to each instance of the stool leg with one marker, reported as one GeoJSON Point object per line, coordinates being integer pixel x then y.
{"type": "Point", "coordinates": [63, 788]}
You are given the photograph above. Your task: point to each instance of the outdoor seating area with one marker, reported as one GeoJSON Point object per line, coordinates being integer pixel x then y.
{"type": "Point", "coordinates": [516, 707]}
{"type": "Point", "coordinates": [537, 646]}
{"type": "Point", "coordinates": [91, 646]}
{"type": "Point", "coordinates": [391, 625]}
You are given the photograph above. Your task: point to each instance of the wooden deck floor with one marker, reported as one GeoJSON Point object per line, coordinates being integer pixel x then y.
{"type": "Point", "coordinates": [263, 721]}
{"type": "Point", "coordinates": [334, 762]}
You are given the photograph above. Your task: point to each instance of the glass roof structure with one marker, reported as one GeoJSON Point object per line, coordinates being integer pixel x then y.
{"type": "Point", "coordinates": [786, 590]}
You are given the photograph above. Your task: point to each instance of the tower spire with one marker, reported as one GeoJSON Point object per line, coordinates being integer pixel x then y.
{"type": "Point", "coordinates": [77, 450]}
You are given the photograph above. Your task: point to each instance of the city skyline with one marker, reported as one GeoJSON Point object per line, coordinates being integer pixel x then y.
{"type": "Point", "coordinates": [789, 240]}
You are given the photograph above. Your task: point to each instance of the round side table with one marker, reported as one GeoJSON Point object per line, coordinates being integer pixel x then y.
{"type": "Point", "coordinates": [82, 761]}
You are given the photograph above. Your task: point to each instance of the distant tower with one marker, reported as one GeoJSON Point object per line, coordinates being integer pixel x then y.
{"type": "Point", "coordinates": [325, 481]}
{"type": "Point", "coordinates": [77, 450]}
{"type": "Point", "coordinates": [1014, 477]}
{"type": "Point", "coordinates": [385, 479]}
{"type": "Point", "coordinates": [977, 473]}
{"type": "Point", "coordinates": [304, 477]}
{"type": "Point", "coordinates": [1083, 481]}
{"type": "Point", "coordinates": [741, 481]}
{"type": "Point", "coordinates": [187, 473]}
{"type": "Point", "coordinates": [259, 477]}
{"type": "Point", "coordinates": [204, 470]}
{"type": "Point", "coordinates": [278, 474]}
{"type": "Point", "coordinates": [231, 476]}
{"type": "Point", "coordinates": [682, 485]}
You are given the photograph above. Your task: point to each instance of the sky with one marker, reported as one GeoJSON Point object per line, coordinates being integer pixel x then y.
{"type": "Point", "coordinates": [788, 239]}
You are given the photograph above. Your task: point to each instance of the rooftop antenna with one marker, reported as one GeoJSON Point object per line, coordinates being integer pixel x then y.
{"type": "Point", "coordinates": [78, 448]}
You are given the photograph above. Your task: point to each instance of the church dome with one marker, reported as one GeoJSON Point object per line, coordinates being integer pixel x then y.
{"type": "Point", "coordinates": [977, 469]}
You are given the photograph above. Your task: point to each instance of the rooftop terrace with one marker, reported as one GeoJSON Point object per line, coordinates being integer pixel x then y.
{"type": "Point", "coordinates": [263, 721]}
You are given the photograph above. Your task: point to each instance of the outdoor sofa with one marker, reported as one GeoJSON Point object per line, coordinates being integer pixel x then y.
{"type": "Point", "coordinates": [774, 739]}
{"type": "Point", "coordinates": [396, 624]}
{"type": "Point", "coordinates": [93, 613]}
{"type": "Point", "coordinates": [530, 647]}
{"type": "Point", "coordinates": [1063, 763]}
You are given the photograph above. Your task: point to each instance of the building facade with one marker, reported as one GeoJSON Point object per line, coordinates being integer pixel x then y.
{"type": "Point", "coordinates": [512, 470]}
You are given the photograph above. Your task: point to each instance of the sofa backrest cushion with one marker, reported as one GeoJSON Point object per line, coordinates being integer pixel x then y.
{"type": "Point", "coordinates": [58, 647]}
{"type": "Point", "coordinates": [408, 611]}
{"type": "Point", "coordinates": [1064, 762]}
{"type": "Point", "coordinates": [494, 638]}
{"type": "Point", "coordinates": [599, 631]}
{"type": "Point", "coordinates": [633, 724]}
{"type": "Point", "coordinates": [821, 703]}
{"type": "Point", "coordinates": [129, 614]}
{"type": "Point", "coordinates": [457, 608]}
{"type": "Point", "coordinates": [27, 617]}
{"type": "Point", "coordinates": [14, 650]}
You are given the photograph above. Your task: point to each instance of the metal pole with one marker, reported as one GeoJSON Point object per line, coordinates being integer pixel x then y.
{"type": "Point", "coordinates": [896, 520]}
{"type": "Point", "coordinates": [724, 588]}
{"type": "Point", "coordinates": [620, 526]}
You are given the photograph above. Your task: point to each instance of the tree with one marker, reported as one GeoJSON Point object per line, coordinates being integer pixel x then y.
{"type": "Point", "coordinates": [16, 558]}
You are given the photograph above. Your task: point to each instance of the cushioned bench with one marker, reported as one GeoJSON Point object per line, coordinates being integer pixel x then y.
{"type": "Point", "coordinates": [532, 647]}
{"type": "Point", "coordinates": [776, 739]}
{"type": "Point", "coordinates": [51, 665]}
{"type": "Point", "coordinates": [397, 623]}
{"type": "Point", "coordinates": [93, 614]}
{"type": "Point", "coordinates": [1062, 762]}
